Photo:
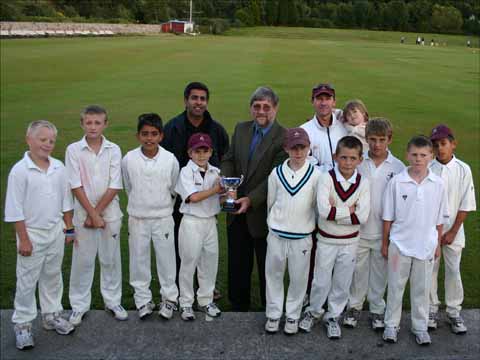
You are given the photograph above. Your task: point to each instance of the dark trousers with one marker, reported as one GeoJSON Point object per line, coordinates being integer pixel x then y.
{"type": "Point", "coordinates": [241, 249]}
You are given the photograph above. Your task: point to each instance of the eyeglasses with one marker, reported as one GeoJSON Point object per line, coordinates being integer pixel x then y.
{"type": "Point", "coordinates": [261, 107]}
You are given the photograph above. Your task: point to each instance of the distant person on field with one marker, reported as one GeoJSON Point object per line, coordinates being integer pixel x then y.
{"type": "Point", "coordinates": [194, 119]}
{"type": "Point", "coordinates": [402, 39]}
{"type": "Point", "coordinates": [150, 173]}
{"type": "Point", "coordinates": [38, 202]}
{"type": "Point", "coordinates": [469, 43]}
{"type": "Point", "coordinates": [370, 276]}
{"type": "Point", "coordinates": [415, 207]}
{"type": "Point", "coordinates": [461, 200]}
{"type": "Point", "coordinates": [355, 116]}
{"type": "Point", "coordinates": [94, 172]}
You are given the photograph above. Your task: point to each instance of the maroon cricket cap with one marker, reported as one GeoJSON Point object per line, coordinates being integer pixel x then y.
{"type": "Point", "coordinates": [323, 89]}
{"type": "Point", "coordinates": [440, 132]}
{"type": "Point", "coordinates": [199, 140]}
{"type": "Point", "coordinates": [296, 136]}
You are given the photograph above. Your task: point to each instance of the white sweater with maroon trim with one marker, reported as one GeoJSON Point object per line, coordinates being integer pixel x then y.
{"type": "Point", "coordinates": [336, 225]}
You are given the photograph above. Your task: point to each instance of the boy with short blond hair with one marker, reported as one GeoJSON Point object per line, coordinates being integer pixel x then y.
{"type": "Point", "coordinates": [343, 204]}
{"type": "Point", "coordinates": [150, 173]}
{"type": "Point", "coordinates": [461, 200]}
{"type": "Point", "coordinates": [370, 275]}
{"type": "Point", "coordinates": [94, 171]}
{"type": "Point", "coordinates": [199, 187]}
{"type": "Point", "coordinates": [414, 210]}
{"type": "Point", "coordinates": [37, 195]}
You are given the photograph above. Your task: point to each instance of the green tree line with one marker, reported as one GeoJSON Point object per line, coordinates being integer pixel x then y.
{"type": "Point", "coordinates": [445, 16]}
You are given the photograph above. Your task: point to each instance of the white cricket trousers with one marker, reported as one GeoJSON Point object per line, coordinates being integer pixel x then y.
{"type": "Point", "coordinates": [198, 249]}
{"type": "Point", "coordinates": [369, 278]}
{"type": "Point", "coordinates": [452, 256]}
{"type": "Point", "coordinates": [400, 269]}
{"type": "Point", "coordinates": [160, 232]}
{"type": "Point", "coordinates": [297, 254]}
{"type": "Point", "coordinates": [105, 242]}
{"type": "Point", "coordinates": [334, 266]}
{"type": "Point", "coordinates": [44, 267]}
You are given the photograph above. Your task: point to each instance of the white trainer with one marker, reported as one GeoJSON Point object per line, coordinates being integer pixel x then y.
{"type": "Point", "coordinates": [166, 309]}
{"type": "Point", "coordinates": [118, 312]}
{"type": "Point", "coordinates": [23, 336]}
{"type": "Point", "coordinates": [76, 317]}
{"type": "Point", "coordinates": [211, 309]}
{"type": "Point", "coordinates": [377, 321]}
{"type": "Point", "coordinates": [390, 334]}
{"type": "Point", "coordinates": [291, 326]}
{"type": "Point", "coordinates": [272, 325]}
{"type": "Point", "coordinates": [457, 324]}
{"type": "Point", "coordinates": [308, 321]}
{"type": "Point", "coordinates": [187, 313]}
{"type": "Point", "coordinates": [422, 337]}
{"type": "Point", "coordinates": [351, 318]}
{"type": "Point", "coordinates": [146, 310]}
{"type": "Point", "coordinates": [53, 321]}
{"type": "Point", "coordinates": [432, 320]}
{"type": "Point", "coordinates": [333, 329]}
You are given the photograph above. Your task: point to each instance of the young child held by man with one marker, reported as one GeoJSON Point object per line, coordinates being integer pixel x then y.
{"type": "Point", "coordinates": [38, 198]}
{"type": "Point", "coordinates": [150, 173]}
{"type": "Point", "coordinates": [93, 166]}
{"type": "Point", "coordinates": [343, 203]}
{"type": "Point", "coordinates": [414, 210]}
{"type": "Point", "coordinates": [199, 187]}
{"type": "Point", "coordinates": [355, 119]}
{"type": "Point", "coordinates": [292, 193]}
{"type": "Point", "coordinates": [370, 275]}
{"type": "Point", "coordinates": [457, 177]}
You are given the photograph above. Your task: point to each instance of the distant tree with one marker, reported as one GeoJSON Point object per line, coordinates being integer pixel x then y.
{"type": "Point", "coordinates": [345, 15]}
{"type": "Point", "coordinates": [292, 13]}
{"type": "Point", "coordinates": [10, 10]}
{"type": "Point", "coordinates": [255, 9]}
{"type": "Point", "coordinates": [155, 11]}
{"type": "Point", "coordinates": [282, 12]}
{"type": "Point", "coordinates": [360, 11]}
{"type": "Point", "coordinates": [244, 16]}
{"type": "Point", "coordinates": [419, 15]}
{"type": "Point", "coordinates": [446, 19]}
{"type": "Point", "coordinates": [396, 15]}
{"type": "Point", "coordinates": [38, 8]}
{"type": "Point", "coordinates": [271, 12]}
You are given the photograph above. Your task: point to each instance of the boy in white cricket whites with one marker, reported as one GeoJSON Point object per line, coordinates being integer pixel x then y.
{"type": "Point", "coordinates": [199, 187]}
{"type": "Point", "coordinates": [370, 276]}
{"type": "Point", "coordinates": [93, 166]}
{"type": "Point", "coordinates": [38, 197]}
{"type": "Point", "coordinates": [343, 203]}
{"type": "Point", "coordinates": [150, 173]}
{"type": "Point", "coordinates": [414, 210]}
{"type": "Point", "coordinates": [461, 200]}
{"type": "Point", "coordinates": [292, 193]}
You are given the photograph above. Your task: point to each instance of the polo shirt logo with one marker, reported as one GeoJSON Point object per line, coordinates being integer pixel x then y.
{"type": "Point", "coordinates": [390, 175]}
{"type": "Point", "coordinates": [344, 195]}
{"type": "Point", "coordinates": [166, 235]}
{"type": "Point", "coordinates": [295, 189]}
{"type": "Point", "coordinates": [304, 252]}
{"type": "Point", "coordinates": [404, 197]}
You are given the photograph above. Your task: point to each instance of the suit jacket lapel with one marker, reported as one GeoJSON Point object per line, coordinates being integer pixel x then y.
{"type": "Point", "coordinates": [246, 139]}
{"type": "Point", "coordinates": [260, 150]}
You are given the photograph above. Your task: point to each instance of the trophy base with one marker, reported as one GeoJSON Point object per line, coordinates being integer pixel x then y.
{"type": "Point", "coordinates": [230, 207]}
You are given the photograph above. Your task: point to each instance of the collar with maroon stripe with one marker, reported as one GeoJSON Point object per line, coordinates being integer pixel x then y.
{"type": "Point", "coordinates": [344, 195]}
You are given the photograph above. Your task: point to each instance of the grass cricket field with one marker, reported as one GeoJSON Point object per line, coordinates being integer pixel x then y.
{"type": "Point", "coordinates": [416, 87]}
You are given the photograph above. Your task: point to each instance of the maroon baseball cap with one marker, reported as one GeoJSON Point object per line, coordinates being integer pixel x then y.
{"type": "Point", "coordinates": [327, 89]}
{"type": "Point", "coordinates": [296, 136]}
{"type": "Point", "coordinates": [440, 132]}
{"type": "Point", "coordinates": [199, 140]}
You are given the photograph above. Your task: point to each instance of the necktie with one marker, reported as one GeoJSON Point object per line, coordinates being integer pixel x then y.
{"type": "Point", "coordinates": [257, 138]}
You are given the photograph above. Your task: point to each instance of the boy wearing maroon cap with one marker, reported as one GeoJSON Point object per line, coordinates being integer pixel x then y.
{"type": "Point", "coordinates": [292, 189]}
{"type": "Point", "coordinates": [457, 177]}
{"type": "Point", "coordinates": [199, 187]}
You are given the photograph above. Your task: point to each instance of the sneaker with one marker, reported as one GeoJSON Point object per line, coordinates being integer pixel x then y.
{"type": "Point", "coordinates": [53, 321]}
{"type": "Point", "coordinates": [76, 317]}
{"type": "Point", "coordinates": [390, 334]}
{"type": "Point", "coordinates": [377, 321]}
{"type": "Point", "coordinates": [457, 325]}
{"type": "Point", "coordinates": [166, 309]}
{"type": "Point", "coordinates": [118, 311]}
{"type": "Point", "coordinates": [272, 325]}
{"type": "Point", "coordinates": [23, 336]}
{"type": "Point", "coordinates": [432, 320]}
{"type": "Point", "coordinates": [308, 321]}
{"type": "Point", "coordinates": [291, 326]}
{"type": "Point", "coordinates": [211, 309]}
{"type": "Point", "coordinates": [351, 318]}
{"type": "Point", "coordinates": [422, 337]}
{"type": "Point", "coordinates": [146, 310]}
{"type": "Point", "coordinates": [187, 313]}
{"type": "Point", "coordinates": [333, 329]}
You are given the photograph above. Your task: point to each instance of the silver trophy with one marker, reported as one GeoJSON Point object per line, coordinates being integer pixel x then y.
{"type": "Point", "coordinates": [230, 184]}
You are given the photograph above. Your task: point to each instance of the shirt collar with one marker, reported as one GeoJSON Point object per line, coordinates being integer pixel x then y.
{"type": "Point", "coordinates": [105, 143]}
{"type": "Point", "coordinates": [404, 176]}
{"type": "Point", "coordinates": [335, 122]}
{"type": "Point", "coordinates": [146, 158]}
{"type": "Point", "coordinates": [196, 168]}
{"type": "Point", "coordinates": [289, 170]}
{"type": "Point", "coordinates": [389, 158]}
{"type": "Point", "coordinates": [450, 164]}
{"type": "Point", "coordinates": [264, 130]}
{"type": "Point", "coordinates": [31, 165]}
{"type": "Point", "coordinates": [340, 177]}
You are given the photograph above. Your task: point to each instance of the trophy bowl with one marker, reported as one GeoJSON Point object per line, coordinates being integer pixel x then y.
{"type": "Point", "coordinates": [230, 184]}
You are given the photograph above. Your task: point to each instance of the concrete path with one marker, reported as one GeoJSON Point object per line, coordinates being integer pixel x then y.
{"type": "Point", "coordinates": [232, 336]}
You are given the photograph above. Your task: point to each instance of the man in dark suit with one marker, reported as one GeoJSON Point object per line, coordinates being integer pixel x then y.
{"type": "Point", "coordinates": [256, 148]}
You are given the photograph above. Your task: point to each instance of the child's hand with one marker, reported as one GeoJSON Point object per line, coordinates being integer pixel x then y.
{"type": "Point", "coordinates": [385, 251]}
{"type": "Point", "coordinates": [217, 187]}
{"type": "Point", "coordinates": [25, 247]}
{"type": "Point", "coordinates": [88, 222]}
{"type": "Point", "coordinates": [352, 208]}
{"type": "Point", "coordinates": [98, 222]}
{"type": "Point", "coordinates": [448, 237]}
{"type": "Point", "coordinates": [437, 252]}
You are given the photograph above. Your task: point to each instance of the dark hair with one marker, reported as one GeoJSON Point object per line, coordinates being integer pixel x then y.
{"type": "Point", "coordinates": [349, 142]}
{"type": "Point", "coordinates": [420, 141]}
{"type": "Point", "coordinates": [151, 119]}
{"type": "Point", "coordinates": [378, 126]}
{"type": "Point", "coordinates": [195, 86]}
{"type": "Point", "coordinates": [93, 110]}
